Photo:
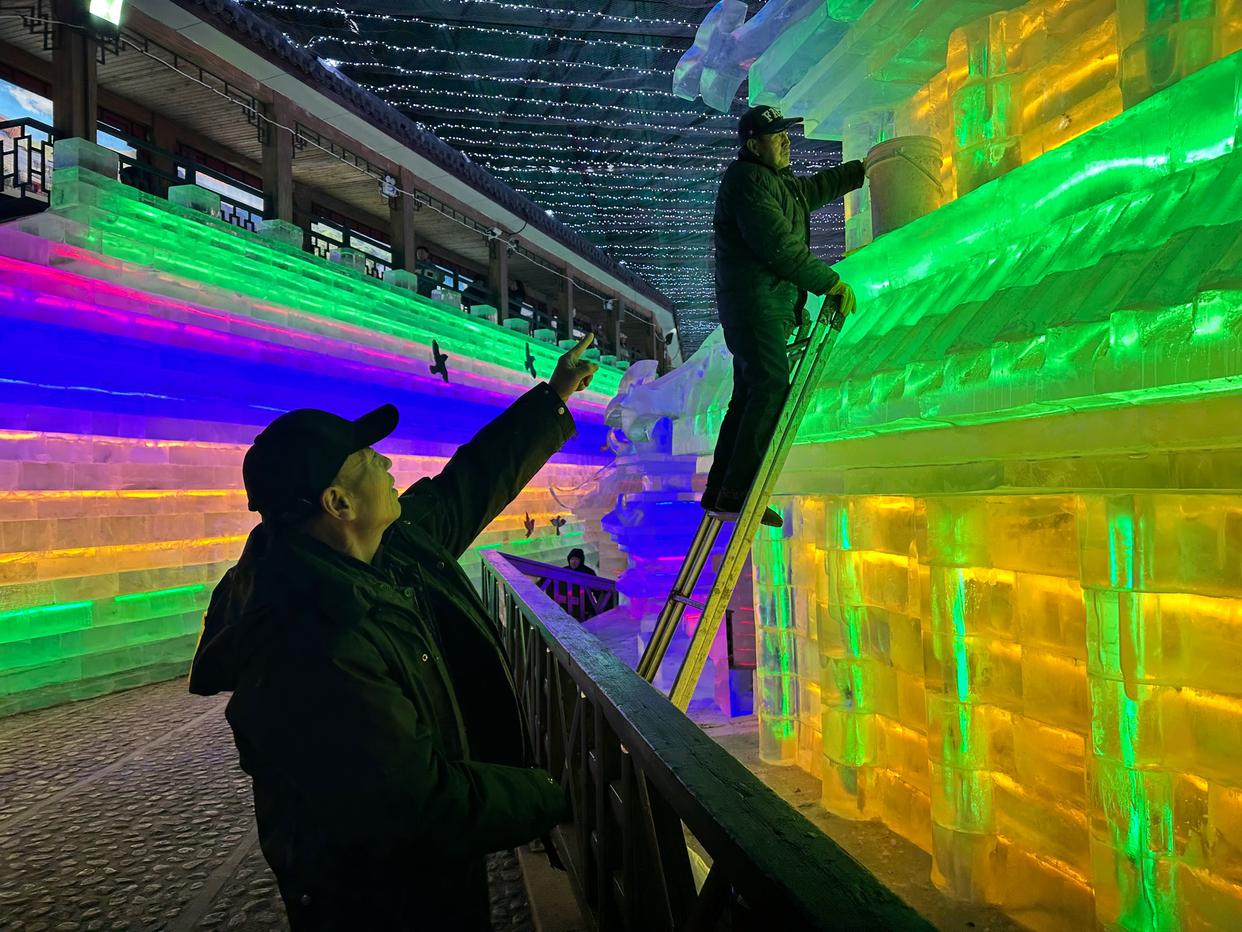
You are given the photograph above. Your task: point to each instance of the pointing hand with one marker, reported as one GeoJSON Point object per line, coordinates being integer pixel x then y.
{"type": "Point", "coordinates": [573, 373]}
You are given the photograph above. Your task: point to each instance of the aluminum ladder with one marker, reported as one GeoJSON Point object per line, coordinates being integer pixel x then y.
{"type": "Point", "coordinates": [808, 351]}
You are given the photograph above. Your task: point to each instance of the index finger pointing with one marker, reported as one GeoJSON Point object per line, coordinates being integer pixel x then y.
{"type": "Point", "coordinates": [576, 353]}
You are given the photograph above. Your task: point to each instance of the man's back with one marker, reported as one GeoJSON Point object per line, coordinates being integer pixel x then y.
{"type": "Point", "coordinates": [346, 719]}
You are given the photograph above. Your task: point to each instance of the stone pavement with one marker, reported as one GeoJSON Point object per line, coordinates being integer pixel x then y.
{"type": "Point", "coordinates": [129, 812]}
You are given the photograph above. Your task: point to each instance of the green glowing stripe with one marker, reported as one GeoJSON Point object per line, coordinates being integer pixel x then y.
{"type": "Point", "coordinates": [1159, 187]}
{"type": "Point", "coordinates": [135, 596]}
{"type": "Point", "coordinates": [41, 621]}
{"type": "Point", "coordinates": [1146, 824]}
{"type": "Point", "coordinates": [199, 248]}
{"type": "Point", "coordinates": [958, 609]}
{"type": "Point", "coordinates": [782, 619]}
{"type": "Point", "coordinates": [29, 614]}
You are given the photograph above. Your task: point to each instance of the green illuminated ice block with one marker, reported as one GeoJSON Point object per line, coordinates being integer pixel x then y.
{"type": "Point", "coordinates": [1106, 273]}
{"type": "Point", "coordinates": [118, 221]}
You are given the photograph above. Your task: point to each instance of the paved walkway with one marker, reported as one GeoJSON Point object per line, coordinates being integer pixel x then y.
{"type": "Point", "coordinates": [130, 812]}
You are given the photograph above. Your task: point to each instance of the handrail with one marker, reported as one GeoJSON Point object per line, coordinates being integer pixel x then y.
{"type": "Point", "coordinates": [637, 769]}
{"type": "Point", "coordinates": [584, 595]}
{"type": "Point", "coordinates": [28, 121]}
{"type": "Point", "coordinates": [560, 573]}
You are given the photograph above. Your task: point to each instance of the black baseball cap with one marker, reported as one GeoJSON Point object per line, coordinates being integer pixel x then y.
{"type": "Point", "coordinates": [298, 455]}
{"type": "Point", "coordinates": [764, 121]}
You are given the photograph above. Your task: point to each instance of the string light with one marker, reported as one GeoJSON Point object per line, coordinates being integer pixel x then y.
{"type": "Point", "coordinates": [538, 62]}
{"type": "Point", "coordinates": [499, 79]}
{"type": "Point", "coordinates": [597, 18]}
{"type": "Point", "coordinates": [593, 124]}
{"type": "Point", "coordinates": [400, 93]}
{"type": "Point", "coordinates": [726, 142]}
{"type": "Point", "coordinates": [585, 153]}
{"type": "Point", "coordinates": [476, 28]}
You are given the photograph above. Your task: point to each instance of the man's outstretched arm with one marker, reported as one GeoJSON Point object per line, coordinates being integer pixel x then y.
{"type": "Point", "coordinates": [832, 183]}
{"type": "Point", "coordinates": [489, 471]}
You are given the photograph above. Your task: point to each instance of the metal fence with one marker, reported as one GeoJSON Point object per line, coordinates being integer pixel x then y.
{"type": "Point", "coordinates": [327, 234]}
{"type": "Point", "coordinates": [640, 774]}
{"type": "Point", "coordinates": [26, 158]}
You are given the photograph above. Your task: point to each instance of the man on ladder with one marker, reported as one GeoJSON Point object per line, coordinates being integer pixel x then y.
{"type": "Point", "coordinates": [764, 272]}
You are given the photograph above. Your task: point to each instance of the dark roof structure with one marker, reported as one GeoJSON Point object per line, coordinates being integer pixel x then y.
{"type": "Point", "coordinates": [263, 36]}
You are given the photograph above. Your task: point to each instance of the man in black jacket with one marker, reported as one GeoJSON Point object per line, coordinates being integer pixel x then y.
{"type": "Point", "coordinates": [372, 704]}
{"type": "Point", "coordinates": [764, 271]}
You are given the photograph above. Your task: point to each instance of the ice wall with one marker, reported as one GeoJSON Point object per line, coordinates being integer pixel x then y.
{"type": "Point", "coordinates": [145, 345]}
{"type": "Point", "coordinates": [1004, 618]}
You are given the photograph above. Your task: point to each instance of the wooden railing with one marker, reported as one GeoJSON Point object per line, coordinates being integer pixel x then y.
{"type": "Point", "coordinates": [639, 774]}
{"type": "Point", "coordinates": [582, 595]}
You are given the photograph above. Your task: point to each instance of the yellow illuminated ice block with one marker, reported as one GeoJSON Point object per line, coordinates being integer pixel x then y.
{"type": "Point", "coordinates": [110, 547]}
{"type": "Point", "coordinates": [1039, 545]}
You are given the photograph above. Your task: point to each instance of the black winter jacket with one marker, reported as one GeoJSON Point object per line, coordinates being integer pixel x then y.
{"type": "Point", "coordinates": [764, 265]}
{"type": "Point", "coordinates": [372, 704]}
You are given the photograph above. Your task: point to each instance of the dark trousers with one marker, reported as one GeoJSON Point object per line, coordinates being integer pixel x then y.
{"type": "Point", "coordinates": [448, 897]}
{"type": "Point", "coordinates": [760, 384]}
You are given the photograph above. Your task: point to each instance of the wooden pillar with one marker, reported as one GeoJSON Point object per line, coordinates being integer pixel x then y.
{"type": "Point", "coordinates": [498, 274]}
{"type": "Point", "coordinates": [278, 163]}
{"type": "Point", "coordinates": [401, 233]}
{"type": "Point", "coordinates": [164, 136]}
{"type": "Point", "coordinates": [302, 213]}
{"type": "Point", "coordinates": [567, 307]}
{"type": "Point", "coordinates": [75, 88]}
{"type": "Point", "coordinates": [615, 316]}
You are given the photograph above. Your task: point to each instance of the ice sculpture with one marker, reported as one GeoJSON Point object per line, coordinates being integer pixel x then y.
{"type": "Point", "coordinates": [1007, 611]}
{"type": "Point", "coordinates": [1004, 615]}
{"type": "Point", "coordinates": [726, 44]}
{"type": "Point", "coordinates": [661, 430]}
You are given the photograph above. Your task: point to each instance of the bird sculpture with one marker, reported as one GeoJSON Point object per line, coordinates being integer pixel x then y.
{"type": "Point", "coordinates": [558, 522]}
{"type": "Point", "coordinates": [529, 524]}
{"type": "Point", "coordinates": [530, 363]}
{"type": "Point", "coordinates": [439, 361]}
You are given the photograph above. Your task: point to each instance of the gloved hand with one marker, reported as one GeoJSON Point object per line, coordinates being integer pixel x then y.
{"type": "Point", "coordinates": [848, 302]}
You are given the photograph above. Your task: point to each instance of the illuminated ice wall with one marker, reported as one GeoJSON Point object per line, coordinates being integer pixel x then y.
{"type": "Point", "coordinates": [144, 346]}
{"type": "Point", "coordinates": [1005, 615]}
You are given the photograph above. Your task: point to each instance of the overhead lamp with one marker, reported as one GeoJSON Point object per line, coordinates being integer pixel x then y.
{"type": "Point", "coordinates": [107, 10]}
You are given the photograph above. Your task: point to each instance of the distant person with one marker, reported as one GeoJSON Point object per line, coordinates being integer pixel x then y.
{"type": "Point", "coordinates": [572, 596]}
{"type": "Point", "coordinates": [373, 705]}
{"type": "Point", "coordinates": [576, 561]}
{"type": "Point", "coordinates": [764, 271]}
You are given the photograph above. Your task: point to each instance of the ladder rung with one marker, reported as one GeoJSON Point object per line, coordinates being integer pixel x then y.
{"type": "Point", "coordinates": [685, 600]}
